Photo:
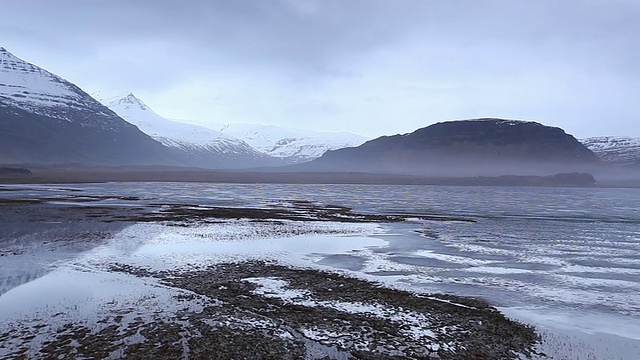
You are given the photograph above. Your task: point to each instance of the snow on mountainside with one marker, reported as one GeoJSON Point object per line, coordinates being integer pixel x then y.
{"type": "Point", "coordinates": [170, 133]}
{"type": "Point", "coordinates": [294, 145]}
{"type": "Point", "coordinates": [31, 88]}
{"type": "Point", "coordinates": [618, 150]}
{"type": "Point", "coordinates": [48, 120]}
{"type": "Point", "coordinates": [37, 91]}
{"type": "Point", "coordinates": [207, 147]}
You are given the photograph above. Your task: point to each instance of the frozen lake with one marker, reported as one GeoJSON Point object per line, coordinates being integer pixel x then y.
{"type": "Point", "coordinates": [566, 260]}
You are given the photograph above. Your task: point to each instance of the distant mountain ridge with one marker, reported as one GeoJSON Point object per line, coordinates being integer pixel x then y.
{"type": "Point", "coordinates": [617, 150]}
{"type": "Point", "coordinates": [48, 120]}
{"type": "Point", "coordinates": [474, 147]}
{"type": "Point", "coordinates": [290, 144]}
{"type": "Point", "coordinates": [233, 145]}
{"type": "Point", "coordinates": [198, 145]}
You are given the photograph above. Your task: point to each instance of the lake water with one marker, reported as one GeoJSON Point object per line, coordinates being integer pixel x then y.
{"type": "Point", "coordinates": [564, 259]}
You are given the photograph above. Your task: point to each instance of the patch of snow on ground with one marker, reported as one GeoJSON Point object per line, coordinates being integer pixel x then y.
{"type": "Point", "coordinates": [77, 295]}
{"type": "Point", "coordinates": [416, 325]}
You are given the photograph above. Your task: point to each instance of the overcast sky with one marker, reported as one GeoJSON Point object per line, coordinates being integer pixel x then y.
{"type": "Point", "coordinates": [367, 66]}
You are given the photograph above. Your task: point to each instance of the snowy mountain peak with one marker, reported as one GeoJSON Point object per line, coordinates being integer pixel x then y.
{"type": "Point", "coordinates": [205, 147]}
{"type": "Point", "coordinates": [137, 113]}
{"type": "Point", "coordinates": [45, 119]}
{"type": "Point", "coordinates": [30, 88]}
{"type": "Point", "coordinates": [6, 55]}
{"type": "Point", "coordinates": [15, 72]}
{"type": "Point", "coordinates": [130, 100]}
{"type": "Point", "coordinates": [25, 85]}
{"type": "Point", "coordinates": [611, 141]}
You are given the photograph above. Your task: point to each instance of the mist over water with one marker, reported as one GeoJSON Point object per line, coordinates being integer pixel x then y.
{"type": "Point", "coordinates": [566, 259]}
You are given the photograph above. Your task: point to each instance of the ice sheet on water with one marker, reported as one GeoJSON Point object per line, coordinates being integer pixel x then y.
{"type": "Point", "coordinates": [82, 283]}
{"type": "Point", "coordinates": [162, 247]}
{"type": "Point", "coordinates": [452, 258]}
{"type": "Point", "coordinates": [45, 307]}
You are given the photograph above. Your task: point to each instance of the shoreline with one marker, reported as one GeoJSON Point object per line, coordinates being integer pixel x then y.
{"type": "Point", "coordinates": [135, 174]}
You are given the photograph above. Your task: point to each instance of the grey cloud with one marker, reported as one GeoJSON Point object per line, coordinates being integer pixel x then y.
{"type": "Point", "coordinates": [277, 29]}
{"type": "Point", "coordinates": [457, 51]}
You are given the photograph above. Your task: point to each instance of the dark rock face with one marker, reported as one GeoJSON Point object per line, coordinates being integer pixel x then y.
{"type": "Point", "coordinates": [466, 148]}
{"type": "Point", "coordinates": [28, 138]}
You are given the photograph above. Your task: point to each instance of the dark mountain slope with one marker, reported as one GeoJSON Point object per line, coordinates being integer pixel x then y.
{"type": "Point", "coordinates": [27, 138]}
{"type": "Point", "coordinates": [465, 148]}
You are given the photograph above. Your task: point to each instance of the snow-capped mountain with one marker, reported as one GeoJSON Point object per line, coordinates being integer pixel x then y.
{"type": "Point", "coordinates": [292, 145]}
{"type": "Point", "coordinates": [203, 147]}
{"type": "Point", "coordinates": [615, 149]}
{"type": "Point", "coordinates": [46, 119]}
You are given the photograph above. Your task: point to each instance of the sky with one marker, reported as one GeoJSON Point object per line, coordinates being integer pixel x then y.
{"type": "Point", "coordinates": [372, 67]}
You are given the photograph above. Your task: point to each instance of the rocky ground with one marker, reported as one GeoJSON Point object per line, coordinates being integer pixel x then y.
{"type": "Point", "coordinates": [82, 207]}
{"type": "Point", "coordinates": [263, 310]}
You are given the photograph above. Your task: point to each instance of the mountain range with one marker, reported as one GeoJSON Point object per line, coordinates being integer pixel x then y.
{"type": "Point", "coordinates": [47, 120]}
{"type": "Point", "coordinates": [289, 144]}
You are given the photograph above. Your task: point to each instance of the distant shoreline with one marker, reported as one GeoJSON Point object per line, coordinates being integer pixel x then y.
{"type": "Point", "coordinates": [142, 174]}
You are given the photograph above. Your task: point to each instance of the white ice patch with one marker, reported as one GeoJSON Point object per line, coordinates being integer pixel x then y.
{"type": "Point", "coordinates": [451, 258]}
{"type": "Point", "coordinates": [497, 270]}
{"type": "Point", "coordinates": [602, 270]}
{"type": "Point", "coordinates": [274, 287]}
{"type": "Point", "coordinates": [575, 334]}
{"type": "Point", "coordinates": [162, 247]}
{"type": "Point", "coordinates": [82, 296]}
{"type": "Point", "coordinates": [415, 325]}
